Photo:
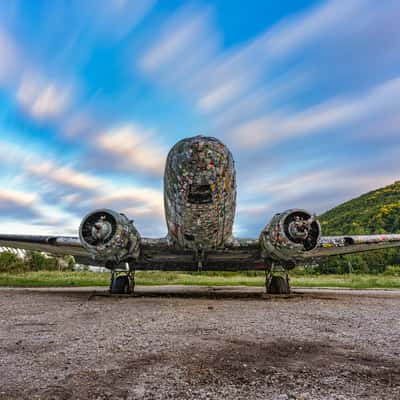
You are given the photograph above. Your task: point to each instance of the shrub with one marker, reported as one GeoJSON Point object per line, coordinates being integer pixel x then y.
{"type": "Point", "coordinates": [39, 262]}
{"type": "Point", "coordinates": [10, 262]}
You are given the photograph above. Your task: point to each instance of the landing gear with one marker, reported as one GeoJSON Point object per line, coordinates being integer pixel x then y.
{"type": "Point", "coordinates": [122, 282]}
{"type": "Point", "coordinates": [276, 280]}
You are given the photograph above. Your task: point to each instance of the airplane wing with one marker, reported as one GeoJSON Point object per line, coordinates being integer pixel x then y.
{"type": "Point", "coordinates": [295, 236]}
{"type": "Point", "coordinates": [56, 245]}
{"type": "Point", "coordinates": [348, 244]}
{"type": "Point", "coordinates": [155, 254]}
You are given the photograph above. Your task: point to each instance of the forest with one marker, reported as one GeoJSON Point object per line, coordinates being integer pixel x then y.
{"type": "Point", "coordinates": [374, 212]}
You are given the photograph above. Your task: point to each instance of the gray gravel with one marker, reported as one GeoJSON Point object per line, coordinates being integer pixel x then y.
{"type": "Point", "coordinates": [68, 345]}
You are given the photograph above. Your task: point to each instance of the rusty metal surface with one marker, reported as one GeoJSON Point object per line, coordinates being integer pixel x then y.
{"type": "Point", "coordinates": [200, 193]}
{"type": "Point", "coordinates": [336, 245]}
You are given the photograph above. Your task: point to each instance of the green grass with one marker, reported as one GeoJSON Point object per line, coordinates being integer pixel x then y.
{"type": "Point", "coordinates": [75, 279]}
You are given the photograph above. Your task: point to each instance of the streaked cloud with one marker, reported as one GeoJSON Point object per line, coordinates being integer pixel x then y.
{"type": "Point", "coordinates": [172, 52]}
{"type": "Point", "coordinates": [132, 148]}
{"type": "Point", "coordinates": [8, 57]}
{"type": "Point", "coordinates": [76, 192]}
{"type": "Point", "coordinates": [279, 126]}
{"type": "Point", "coordinates": [314, 190]}
{"type": "Point", "coordinates": [64, 175]}
{"type": "Point", "coordinates": [115, 18]}
{"type": "Point", "coordinates": [42, 98]}
{"type": "Point", "coordinates": [214, 78]}
{"type": "Point", "coordinates": [137, 202]}
{"type": "Point", "coordinates": [20, 198]}
{"type": "Point", "coordinates": [291, 94]}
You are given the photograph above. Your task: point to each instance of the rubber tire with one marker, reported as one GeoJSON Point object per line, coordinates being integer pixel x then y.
{"type": "Point", "coordinates": [120, 285]}
{"type": "Point", "coordinates": [278, 285]}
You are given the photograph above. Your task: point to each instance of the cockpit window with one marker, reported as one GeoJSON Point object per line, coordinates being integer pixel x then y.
{"type": "Point", "coordinates": [200, 194]}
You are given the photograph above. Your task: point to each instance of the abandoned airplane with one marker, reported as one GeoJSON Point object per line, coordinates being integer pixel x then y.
{"type": "Point", "coordinates": [200, 202]}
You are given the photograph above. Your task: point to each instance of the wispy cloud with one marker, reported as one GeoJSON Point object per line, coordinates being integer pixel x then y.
{"type": "Point", "coordinates": [133, 148]}
{"type": "Point", "coordinates": [214, 78]}
{"type": "Point", "coordinates": [241, 87]}
{"type": "Point", "coordinates": [76, 192]}
{"type": "Point", "coordinates": [172, 51]}
{"type": "Point", "coordinates": [135, 201]}
{"type": "Point", "coordinates": [314, 190]}
{"type": "Point", "coordinates": [42, 98]}
{"type": "Point", "coordinates": [279, 126]}
{"type": "Point", "coordinates": [21, 198]}
{"type": "Point", "coordinates": [8, 57]}
{"type": "Point", "coordinates": [326, 74]}
{"type": "Point", "coordinates": [114, 18]}
{"type": "Point", "coordinates": [64, 175]}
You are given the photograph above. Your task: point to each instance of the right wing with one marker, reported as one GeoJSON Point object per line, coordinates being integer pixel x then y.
{"type": "Point", "coordinates": [349, 244]}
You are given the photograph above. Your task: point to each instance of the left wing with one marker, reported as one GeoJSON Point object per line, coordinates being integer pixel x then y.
{"type": "Point", "coordinates": [56, 245]}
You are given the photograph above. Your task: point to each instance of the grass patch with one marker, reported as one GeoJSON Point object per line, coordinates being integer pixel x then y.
{"type": "Point", "coordinates": [76, 279]}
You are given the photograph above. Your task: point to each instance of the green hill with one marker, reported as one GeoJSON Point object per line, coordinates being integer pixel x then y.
{"type": "Point", "coordinates": [374, 212]}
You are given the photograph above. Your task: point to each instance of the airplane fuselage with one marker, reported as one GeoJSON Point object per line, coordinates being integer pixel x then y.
{"type": "Point", "coordinates": [200, 193]}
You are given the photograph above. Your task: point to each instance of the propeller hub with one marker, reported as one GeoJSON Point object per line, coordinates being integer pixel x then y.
{"type": "Point", "coordinates": [299, 228]}
{"type": "Point", "coordinates": [101, 229]}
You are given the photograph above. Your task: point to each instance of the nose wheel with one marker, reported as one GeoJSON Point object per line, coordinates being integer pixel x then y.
{"type": "Point", "coordinates": [122, 282]}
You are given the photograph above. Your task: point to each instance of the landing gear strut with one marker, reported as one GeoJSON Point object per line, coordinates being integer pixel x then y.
{"type": "Point", "coordinates": [276, 280]}
{"type": "Point", "coordinates": [122, 282]}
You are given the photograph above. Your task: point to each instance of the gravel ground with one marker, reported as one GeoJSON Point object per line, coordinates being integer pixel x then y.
{"type": "Point", "coordinates": [68, 345]}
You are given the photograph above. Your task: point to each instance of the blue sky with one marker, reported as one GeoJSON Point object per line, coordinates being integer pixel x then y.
{"type": "Point", "coordinates": [306, 94]}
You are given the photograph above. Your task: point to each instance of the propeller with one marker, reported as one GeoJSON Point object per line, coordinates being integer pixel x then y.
{"type": "Point", "coordinates": [98, 228]}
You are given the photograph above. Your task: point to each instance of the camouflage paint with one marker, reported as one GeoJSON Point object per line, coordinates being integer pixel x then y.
{"type": "Point", "coordinates": [109, 236]}
{"type": "Point", "coordinates": [281, 240]}
{"type": "Point", "coordinates": [204, 166]}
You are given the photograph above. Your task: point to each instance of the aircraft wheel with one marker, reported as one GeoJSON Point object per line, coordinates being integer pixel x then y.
{"type": "Point", "coordinates": [278, 285]}
{"type": "Point", "coordinates": [120, 285]}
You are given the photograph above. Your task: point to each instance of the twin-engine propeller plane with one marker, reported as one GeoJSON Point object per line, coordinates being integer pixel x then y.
{"type": "Point", "coordinates": [200, 202]}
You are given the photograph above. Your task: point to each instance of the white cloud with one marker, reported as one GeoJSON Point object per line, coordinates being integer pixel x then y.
{"type": "Point", "coordinates": [279, 126]}
{"type": "Point", "coordinates": [75, 190]}
{"type": "Point", "coordinates": [18, 226]}
{"type": "Point", "coordinates": [293, 33]}
{"type": "Point", "coordinates": [186, 44]}
{"type": "Point", "coordinates": [185, 31]}
{"type": "Point", "coordinates": [133, 148]}
{"type": "Point", "coordinates": [64, 175]}
{"type": "Point", "coordinates": [8, 57]}
{"type": "Point", "coordinates": [142, 195]}
{"type": "Point", "coordinates": [220, 95]}
{"type": "Point", "coordinates": [315, 190]}
{"type": "Point", "coordinates": [186, 54]}
{"type": "Point", "coordinates": [138, 202]}
{"type": "Point", "coordinates": [24, 199]}
{"type": "Point", "coordinates": [114, 18]}
{"type": "Point", "coordinates": [79, 125]}
{"type": "Point", "coordinates": [43, 98]}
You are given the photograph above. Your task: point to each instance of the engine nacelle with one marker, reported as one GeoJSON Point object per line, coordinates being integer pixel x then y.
{"type": "Point", "coordinates": [289, 235]}
{"type": "Point", "coordinates": [109, 236]}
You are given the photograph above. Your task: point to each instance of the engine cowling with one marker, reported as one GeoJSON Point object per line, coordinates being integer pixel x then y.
{"type": "Point", "coordinates": [109, 236]}
{"type": "Point", "coordinates": [289, 234]}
